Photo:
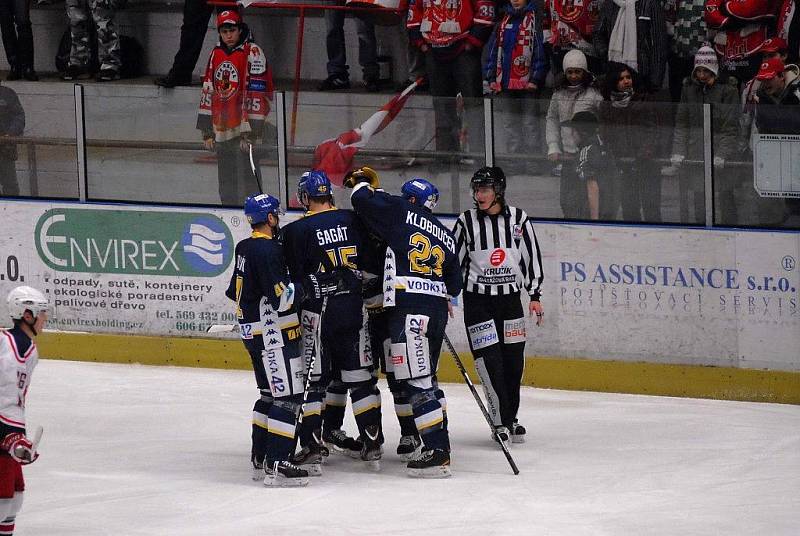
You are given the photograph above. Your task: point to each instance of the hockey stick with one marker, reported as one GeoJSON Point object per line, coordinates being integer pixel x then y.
{"type": "Point", "coordinates": [37, 437]}
{"type": "Point", "coordinates": [477, 397]}
{"type": "Point", "coordinates": [255, 169]}
{"type": "Point", "coordinates": [310, 362]}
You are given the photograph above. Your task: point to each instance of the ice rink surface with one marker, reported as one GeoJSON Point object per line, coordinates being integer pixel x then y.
{"type": "Point", "coordinates": [136, 450]}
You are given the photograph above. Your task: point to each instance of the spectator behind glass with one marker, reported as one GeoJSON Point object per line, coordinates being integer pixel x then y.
{"type": "Point", "coordinates": [629, 124]}
{"type": "Point", "coordinates": [15, 24]}
{"type": "Point", "coordinates": [769, 210]}
{"type": "Point", "coordinates": [338, 70]}
{"type": "Point", "coordinates": [574, 92]}
{"type": "Point", "coordinates": [234, 104]}
{"type": "Point", "coordinates": [777, 110]}
{"type": "Point", "coordinates": [516, 68]}
{"type": "Point", "coordinates": [594, 167]}
{"type": "Point", "coordinates": [196, 14]}
{"type": "Point", "coordinates": [12, 123]}
{"type": "Point", "coordinates": [689, 34]}
{"type": "Point", "coordinates": [101, 13]}
{"type": "Point", "coordinates": [451, 35]}
{"type": "Point", "coordinates": [704, 87]}
{"type": "Point", "coordinates": [636, 37]}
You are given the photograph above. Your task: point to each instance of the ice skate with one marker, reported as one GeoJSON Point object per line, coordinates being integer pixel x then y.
{"type": "Point", "coordinates": [309, 458]}
{"type": "Point", "coordinates": [258, 469]}
{"type": "Point", "coordinates": [431, 463]}
{"type": "Point", "coordinates": [409, 447]}
{"type": "Point", "coordinates": [283, 474]}
{"type": "Point", "coordinates": [517, 432]}
{"type": "Point", "coordinates": [372, 450]}
{"type": "Point", "coordinates": [502, 434]}
{"type": "Point", "coordinates": [340, 442]}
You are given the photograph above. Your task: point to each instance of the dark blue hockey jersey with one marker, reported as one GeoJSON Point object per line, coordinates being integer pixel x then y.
{"type": "Point", "coordinates": [260, 287]}
{"type": "Point", "coordinates": [311, 241]}
{"type": "Point", "coordinates": [421, 267]}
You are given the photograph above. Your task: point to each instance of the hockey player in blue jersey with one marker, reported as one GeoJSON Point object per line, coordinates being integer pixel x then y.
{"type": "Point", "coordinates": [270, 331]}
{"type": "Point", "coordinates": [421, 273]}
{"type": "Point", "coordinates": [372, 269]}
{"type": "Point", "coordinates": [330, 240]}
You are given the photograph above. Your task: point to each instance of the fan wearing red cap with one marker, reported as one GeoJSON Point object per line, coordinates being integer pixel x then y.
{"type": "Point", "coordinates": [780, 85]}
{"type": "Point", "coordinates": [234, 104]}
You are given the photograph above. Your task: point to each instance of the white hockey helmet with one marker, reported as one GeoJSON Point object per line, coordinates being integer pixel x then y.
{"type": "Point", "coordinates": [23, 299]}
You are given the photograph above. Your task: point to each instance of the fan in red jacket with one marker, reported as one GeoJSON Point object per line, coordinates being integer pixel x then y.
{"type": "Point", "coordinates": [234, 104]}
{"type": "Point", "coordinates": [451, 34]}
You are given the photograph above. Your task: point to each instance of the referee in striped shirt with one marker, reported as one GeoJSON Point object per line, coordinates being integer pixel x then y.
{"type": "Point", "coordinates": [500, 258]}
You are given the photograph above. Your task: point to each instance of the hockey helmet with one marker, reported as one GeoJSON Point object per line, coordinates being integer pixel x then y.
{"type": "Point", "coordinates": [425, 194]}
{"type": "Point", "coordinates": [490, 176]}
{"type": "Point", "coordinates": [313, 183]}
{"type": "Point", "coordinates": [23, 299]}
{"type": "Point", "coordinates": [258, 207]}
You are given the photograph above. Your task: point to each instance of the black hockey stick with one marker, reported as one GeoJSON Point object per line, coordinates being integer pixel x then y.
{"type": "Point", "coordinates": [477, 397]}
{"type": "Point", "coordinates": [256, 169]}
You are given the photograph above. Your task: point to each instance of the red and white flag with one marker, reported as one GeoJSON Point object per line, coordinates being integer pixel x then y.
{"type": "Point", "coordinates": [335, 156]}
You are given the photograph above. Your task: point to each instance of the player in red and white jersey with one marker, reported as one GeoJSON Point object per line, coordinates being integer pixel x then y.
{"type": "Point", "coordinates": [234, 104]}
{"type": "Point", "coordinates": [18, 357]}
{"type": "Point", "coordinates": [500, 258]}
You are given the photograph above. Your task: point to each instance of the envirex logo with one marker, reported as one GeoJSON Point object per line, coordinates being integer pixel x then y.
{"type": "Point", "coordinates": [134, 242]}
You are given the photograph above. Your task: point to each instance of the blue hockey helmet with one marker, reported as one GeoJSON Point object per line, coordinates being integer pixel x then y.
{"type": "Point", "coordinates": [258, 207]}
{"type": "Point", "coordinates": [314, 183]}
{"type": "Point", "coordinates": [425, 194]}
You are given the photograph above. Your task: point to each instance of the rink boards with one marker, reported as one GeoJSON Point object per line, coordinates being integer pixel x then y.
{"type": "Point", "coordinates": [671, 311]}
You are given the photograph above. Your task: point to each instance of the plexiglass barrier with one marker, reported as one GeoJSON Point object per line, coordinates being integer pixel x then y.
{"type": "Point", "coordinates": [38, 142]}
{"type": "Point", "coordinates": [756, 172]}
{"type": "Point", "coordinates": [330, 129]}
{"type": "Point", "coordinates": [627, 172]}
{"type": "Point", "coordinates": [143, 146]}
{"type": "Point", "coordinates": [660, 163]}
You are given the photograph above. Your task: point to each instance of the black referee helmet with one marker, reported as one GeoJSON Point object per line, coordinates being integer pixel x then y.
{"type": "Point", "coordinates": [490, 176]}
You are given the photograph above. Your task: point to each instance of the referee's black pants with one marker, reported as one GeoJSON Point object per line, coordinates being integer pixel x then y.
{"type": "Point", "coordinates": [499, 363]}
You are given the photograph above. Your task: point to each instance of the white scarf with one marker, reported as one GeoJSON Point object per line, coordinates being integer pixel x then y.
{"type": "Point", "coordinates": [622, 46]}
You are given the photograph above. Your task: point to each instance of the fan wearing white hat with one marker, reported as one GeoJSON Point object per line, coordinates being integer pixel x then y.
{"type": "Point", "coordinates": [704, 87]}
{"type": "Point", "coordinates": [18, 357]}
{"type": "Point", "coordinates": [574, 93]}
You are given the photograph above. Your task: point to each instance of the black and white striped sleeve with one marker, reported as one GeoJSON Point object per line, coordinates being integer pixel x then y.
{"type": "Point", "coordinates": [531, 259]}
{"type": "Point", "coordinates": [461, 231]}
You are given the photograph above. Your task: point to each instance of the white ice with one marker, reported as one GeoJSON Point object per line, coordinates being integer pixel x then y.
{"type": "Point", "coordinates": [136, 450]}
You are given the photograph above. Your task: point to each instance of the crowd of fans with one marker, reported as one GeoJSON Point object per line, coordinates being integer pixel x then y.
{"type": "Point", "coordinates": [612, 61]}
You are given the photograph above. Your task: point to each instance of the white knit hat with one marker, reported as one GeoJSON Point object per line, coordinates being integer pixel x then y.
{"type": "Point", "coordinates": [706, 57]}
{"type": "Point", "coordinates": [575, 59]}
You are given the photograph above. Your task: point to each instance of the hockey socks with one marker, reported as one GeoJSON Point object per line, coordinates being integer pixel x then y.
{"type": "Point", "coordinates": [429, 419]}
{"type": "Point", "coordinates": [312, 413]}
{"type": "Point", "coordinates": [335, 404]}
{"type": "Point", "coordinates": [259, 432]}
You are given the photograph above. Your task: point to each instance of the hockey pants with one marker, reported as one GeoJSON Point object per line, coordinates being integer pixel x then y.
{"type": "Point", "coordinates": [345, 365]}
{"type": "Point", "coordinates": [417, 335]}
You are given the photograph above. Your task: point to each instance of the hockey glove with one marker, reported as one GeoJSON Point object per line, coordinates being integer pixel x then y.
{"type": "Point", "coordinates": [362, 174]}
{"type": "Point", "coordinates": [339, 281]}
{"type": "Point", "coordinates": [319, 285]}
{"type": "Point", "coordinates": [20, 448]}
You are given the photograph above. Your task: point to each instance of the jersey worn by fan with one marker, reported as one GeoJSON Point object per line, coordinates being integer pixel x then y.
{"type": "Point", "coordinates": [18, 358]}
{"type": "Point", "coordinates": [260, 286]}
{"type": "Point", "coordinates": [421, 267]}
{"type": "Point", "coordinates": [237, 91]}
